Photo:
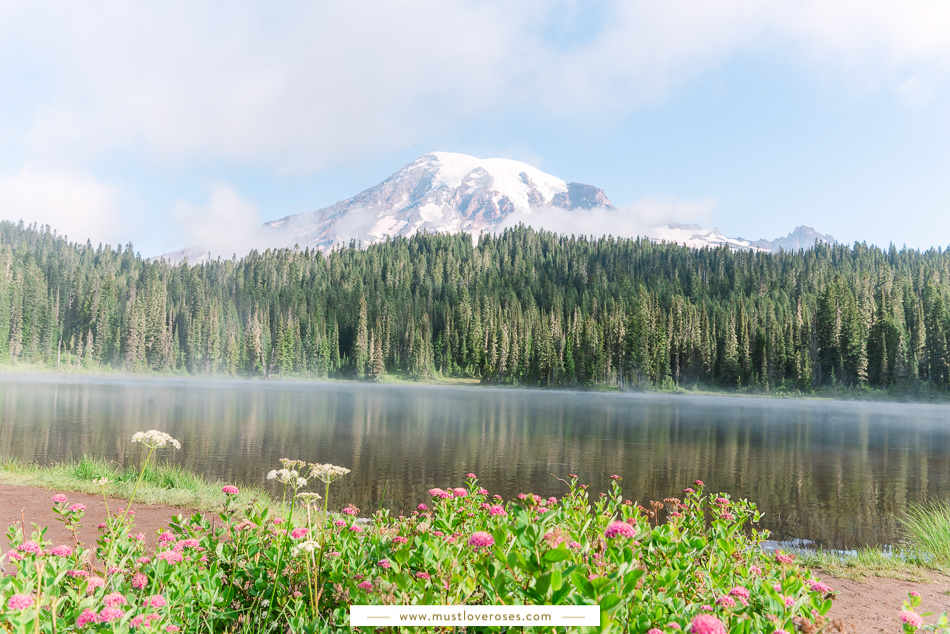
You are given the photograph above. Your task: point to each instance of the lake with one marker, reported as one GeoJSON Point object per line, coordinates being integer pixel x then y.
{"type": "Point", "coordinates": [834, 472]}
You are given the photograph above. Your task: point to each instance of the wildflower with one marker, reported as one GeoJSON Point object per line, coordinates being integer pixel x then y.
{"type": "Point", "coordinates": [460, 492]}
{"type": "Point", "coordinates": [706, 624]}
{"type": "Point", "coordinates": [339, 523]}
{"type": "Point", "coordinates": [95, 582]}
{"type": "Point", "coordinates": [552, 501]}
{"type": "Point", "coordinates": [741, 592]}
{"type": "Point", "coordinates": [482, 491]}
{"type": "Point", "coordinates": [335, 553]}
{"type": "Point", "coordinates": [19, 601]}
{"type": "Point", "coordinates": [470, 475]}
{"type": "Point", "coordinates": [299, 532]}
{"type": "Point", "coordinates": [29, 546]}
{"type": "Point", "coordinates": [155, 601]}
{"type": "Point", "coordinates": [101, 526]}
{"type": "Point", "coordinates": [139, 581]}
{"type": "Point", "coordinates": [911, 618]}
{"type": "Point", "coordinates": [114, 599]}
{"type": "Point", "coordinates": [76, 573]}
{"type": "Point", "coordinates": [62, 551]}
{"type": "Point", "coordinates": [187, 543]}
{"type": "Point", "coordinates": [619, 529]}
{"type": "Point", "coordinates": [143, 560]}
{"type": "Point", "coordinates": [109, 614]}
{"type": "Point", "coordinates": [59, 498]}
{"type": "Point", "coordinates": [229, 489]}
{"type": "Point", "coordinates": [309, 497]}
{"type": "Point", "coordinates": [356, 528]}
{"type": "Point", "coordinates": [365, 585]}
{"type": "Point", "coordinates": [615, 477]}
{"type": "Point", "coordinates": [721, 501]}
{"type": "Point", "coordinates": [783, 558]}
{"type": "Point", "coordinates": [170, 556]}
{"type": "Point", "coordinates": [755, 570]}
{"type": "Point", "coordinates": [913, 593]}
{"type": "Point", "coordinates": [481, 539]}
{"type": "Point", "coordinates": [821, 588]}
{"type": "Point", "coordinates": [172, 628]}
{"type": "Point", "coordinates": [422, 507]}
{"type": "Point", "coordinates": [654, 630]}
{"type": "Point", "coordinates": [726, 602]}
{"type": "Point", "coordinates": [673, 625]}
{"type": "Point", "coordinates": [166, 538]}
{"type": "Point", "coordinates": [779, 632]}
{"type": "Point", "coordinates": [699, 483]}
{"type": "Point", "coordinates": [399, 539]}
{"type": "Point", "coordinates": [497, 509]}
{"type": "Point", "coordinates": [88, 616]}
{"type": "Point", "coordinates": [77, 508]}
{"type": "Point", "coordinates": [423, 575]}
{"type": "Point", "coordinates": [327, 473]}
{"type": "Point", "coordinates": [351, 509]}
{"type": "Point", "coordinates": [384, 563]}
{"type": "Point", "coordinates": [154, 439]}
{"type": "Point", "coordinates": [727, 516]}
{"type": "Point", "coordinates": [496, 497]}
{"type": "Point", "coordinates": [689, 490]}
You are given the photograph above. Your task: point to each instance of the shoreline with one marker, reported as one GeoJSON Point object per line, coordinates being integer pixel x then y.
{"type": "Point", "coordinates": [857, 395]}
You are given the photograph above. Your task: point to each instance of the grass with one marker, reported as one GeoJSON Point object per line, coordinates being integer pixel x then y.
{"type": "Point", "coordinates": [161, 484]}
{"type": "Point", "coordinates": [928, 530]}
{"type": "Point", "coordinates": [871, 562]}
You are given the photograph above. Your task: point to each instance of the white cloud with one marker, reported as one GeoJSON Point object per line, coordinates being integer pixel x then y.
{"type": "Point", "coordinates": [642, 218]}
{"type": "Point", "coordinates": [71, 203]}
{"type": "Point", "coordinates": [225, 225]}
{"type": "Point", "coordinates": [299, 86]}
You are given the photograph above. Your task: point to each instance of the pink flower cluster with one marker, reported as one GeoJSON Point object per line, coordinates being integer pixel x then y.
{"type": "Point", "coordinates": [619, 529]}
{"type": "Point", "coordinates": [230, 489]}
{"type": "Point", "coordinates": [912, 618]}
{"type": "Point", "coordinates": [481, 539]}
{"type": "Point", "coordinates": [706, 624]}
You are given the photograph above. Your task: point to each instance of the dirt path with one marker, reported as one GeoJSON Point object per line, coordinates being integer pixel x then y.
{"type": "Point", "coordinates": [860, 607]}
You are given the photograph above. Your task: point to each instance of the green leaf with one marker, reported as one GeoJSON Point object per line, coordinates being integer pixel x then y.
{"type": "Point", "coordinates": [557, 554]}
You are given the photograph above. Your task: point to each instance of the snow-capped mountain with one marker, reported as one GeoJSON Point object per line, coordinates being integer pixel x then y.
{"type": "Point", "coordinates": [448, 192]}
{"type": "Point", "coordinates": [439, 192]}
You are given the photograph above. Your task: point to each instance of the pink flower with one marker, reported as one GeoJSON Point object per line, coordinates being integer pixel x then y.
{"type": "Point", "coordinates": [727, 516]}
{"type": "Point", "coordinates": [155, 601]}
{"type": "Point", "coordinates": [88, 616]}
{"type": "Point", "coordinates": [59, 498]}
{"type": "Point", "coordinates": [423, 575]}
{"type": "Point", "coordinates": [721, 501]}
{"type": "Point", "coordinates": [469, 475]}
{"type": "Point", "coordinates": [29, 546]}
{"type": "Point", "coordinates": [140, 537]}
{"type": "Point", "coordinates": [482, 491]}
{"type": "Point", "coordinates": [384, 563]}
{"type": "Point", "coordinates": [62, 551]}
{"type": "Point", "coordinates": [436, 492]}
{"type": "Point", "coordinates": [689, 490]}
{"type": "Point", "coordinates": [818, 586]}
{"type": "Point", "coordinates": [101, 526]}
{"type": "Point", "coordinates": [782, 558]}
{"type": "Point", "coordinates": [726, 602]}
{"type": "Point", "coordinates": [109, 614]}
{"type": "Point", "coordinates": [172, 628]}
{"type": "Point", "coordinates": [619, 529]}
{"type": "Point", "coordinates": [351, 510]}
{"type": "Point", "coordinates": [230, 489]}
{"type": "Point", "coordinates": [673, 625]}
{"type": "Point", "coordinates": [741, 592]}
{"type": "Point", "coordinates": [170, 556]}
{"type": "Point", "coordinates": [615, 477]}
{"type": "Point", "coordinates": [912, 618]}
{"type": "Point", "coordinates": [460, 492]}
{"type": "Point", "coordinates": [299, 533]}
{"type": "Point", "coordinates": [481, 539]}
{"type": "Point", "coordinates": [699, 483]}
{"type": "Point", "coordinates": [339, 523]}
{"type": "Point", "coordinates": [654, 630]}
{"type": "Point", "coordinates": [95, 582]}
{"type": "Point", "coordinates": [497, 509]}
{"type": "Point", "coordinates": [522, 496]}
{"type": "Point", "coordinates": [143, 560]}
{"type": "Point", "coordinates": [187, 543]}
{"type": "Point", "coordinates": [114, 599]}
{"type": "Point", "coordinates": [356, 528]}
{"type": "Point", "coordinates": [19, 601]}
{"type": "Point", "coordinates": [399, 539]}
{"type": "Point", "coordinates": [139, 581]}
{"type": "Point", "coordinates": [706, 624]}
{"type": "Point", "coordinates": [552, 501]}
{"type": "Point", "coordinates": [77, 573]}
{"type": "Point", "coordinates": [913, 593]}
{"type": "Point", "coordinates": [165, 538]}
{"type": "Point", "coordinates": [779, 632]}
{"type": "Point", "coordinates": [365, 585]}
{"type": "Point", "coordinates": [77, 508]}
{"type": "Point", "coordinates": [422, 507]}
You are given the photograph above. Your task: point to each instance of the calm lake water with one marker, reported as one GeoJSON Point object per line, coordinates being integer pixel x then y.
{"type": "Point", "coordinates": [832, 472]}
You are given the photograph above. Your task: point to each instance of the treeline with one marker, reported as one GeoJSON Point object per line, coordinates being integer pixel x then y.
{"type": "Point", "coordinates": [523, 307]}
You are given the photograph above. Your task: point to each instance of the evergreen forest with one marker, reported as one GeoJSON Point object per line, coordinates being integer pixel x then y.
{"type": "Point", "coordinates": [523, 307]}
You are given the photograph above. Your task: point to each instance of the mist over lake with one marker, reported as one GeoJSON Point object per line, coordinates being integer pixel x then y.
{"type": "Point", "coordinates": [835, 472]}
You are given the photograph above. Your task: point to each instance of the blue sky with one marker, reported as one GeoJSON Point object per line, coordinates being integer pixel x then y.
{"type": "Point", "coordinates": [162, 124]}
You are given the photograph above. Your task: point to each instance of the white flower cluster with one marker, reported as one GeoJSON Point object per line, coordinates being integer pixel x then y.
{"type": "Point", "coordinates": [327, 472]}
{"type": "Point", "coordinates": [155, 439]}
{"type": "Point", "coordinates": [287, 476]}
{"type": "Point", "coordinates": [308, 547]}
